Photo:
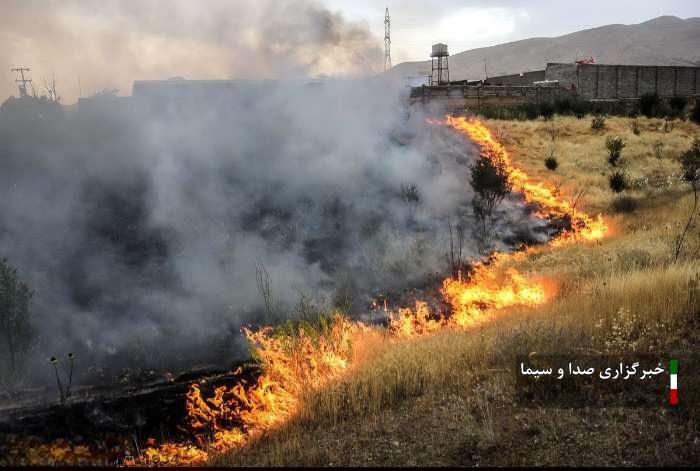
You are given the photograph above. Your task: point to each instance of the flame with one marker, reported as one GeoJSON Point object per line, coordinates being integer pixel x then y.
{"type": "Point", "coordinates": [583, 226]}
{"type": "Point", "coordinates": [293, 365]}
{"type": "Point", "coordinates": [489, 286]}
{"type": "Point", "coordinates": [487, 290]}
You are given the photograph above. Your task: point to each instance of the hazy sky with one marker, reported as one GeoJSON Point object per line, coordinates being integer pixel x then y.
{"type": "Point", "coordinates": [463, 24]}
{"type": "Point", "coordinates": [89, 45]}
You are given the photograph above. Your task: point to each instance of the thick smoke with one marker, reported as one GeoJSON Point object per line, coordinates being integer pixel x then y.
{"type": "Point", "coordinates": [142, 223]}
{"type": "Point", "coordinates": [90, 45]}
{"type": "Point", "coordinates": [147, 226]}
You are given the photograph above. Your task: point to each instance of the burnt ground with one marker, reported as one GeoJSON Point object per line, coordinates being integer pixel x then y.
{"type": "Point", "coordinates": [109, 422]}
{"type": "Point", "coordinates": [116, 419]}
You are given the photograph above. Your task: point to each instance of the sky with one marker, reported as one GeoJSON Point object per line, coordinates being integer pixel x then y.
{"type": "Point", "coordinates": [463, 25]}
{"type": "Point", "coordinates": [90, 45]}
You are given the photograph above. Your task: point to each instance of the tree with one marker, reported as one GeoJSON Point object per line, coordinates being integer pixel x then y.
{"type": "Point", "coordinates": [16, 333]}
{"type": "Point", "coordinates": [490, 179]}
{"type": "Point", "coordinates": [690, 162]}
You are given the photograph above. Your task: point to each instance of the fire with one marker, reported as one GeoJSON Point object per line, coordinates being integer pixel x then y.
{"type": "Point", "coordinates": [487, 290]}
{"type": "Point", "coordinates": [489, 286]}
{"type": "Point", "coordinates": [409, 323]}
{"type": "Point", "coordinates": [293, 365]}
{"type": "Point", "coordinates": [583, 226]}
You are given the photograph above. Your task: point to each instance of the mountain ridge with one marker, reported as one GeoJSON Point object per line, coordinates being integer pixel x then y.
{"type": "Point", "coordinates": [664, 40]}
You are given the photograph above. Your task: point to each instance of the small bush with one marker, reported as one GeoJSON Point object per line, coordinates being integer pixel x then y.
{"type": "Point", "coordinates": [618, 181]}
{"type": "Point", "coordinates": [659, 149]}
{"type": "Point", "coordinates": [690, 162]}
{"type": "Point", "coordinates": [579, 108]}
{"type": "Point", "coordinates": [546, 111]}
{"type": "Point", "coordinates": [678, 104]}
{"type": "Point", "coordinates": [695, 113]}
{"type": "Point", "coordinates": [563, 107]}
{"type": "Point", "coordinates": [530, 110]}
{"type": "Point", "coordinates": [614, 144]}
{"type": "Point", "coordinates": [551, 162]}
{"type": "Point", "coordinates": [598, 123]}
{"type": "Point", "coordinates": [16, 328]}
{"type": "Point", "coordinates": [649, 104]}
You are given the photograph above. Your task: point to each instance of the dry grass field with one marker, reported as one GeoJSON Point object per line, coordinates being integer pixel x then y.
{"type": "Point", "coordinates": [447, 398]}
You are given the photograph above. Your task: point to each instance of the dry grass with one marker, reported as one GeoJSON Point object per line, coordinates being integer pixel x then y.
{"type": "Point", "coordinates": [447, 399]}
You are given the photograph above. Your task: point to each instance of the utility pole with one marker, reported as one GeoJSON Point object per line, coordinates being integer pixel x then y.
{"type": "Point", "coordinates": [387, 41]}
{"type": "Point", "coordinates": [21, 81]}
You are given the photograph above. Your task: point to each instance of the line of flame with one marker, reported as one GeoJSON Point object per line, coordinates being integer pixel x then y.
{"type": "Point", "coordinates": [295, 365]}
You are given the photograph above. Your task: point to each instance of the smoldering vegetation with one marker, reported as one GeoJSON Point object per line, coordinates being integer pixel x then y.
{"type": "Point", "coordinates": [151, 230]}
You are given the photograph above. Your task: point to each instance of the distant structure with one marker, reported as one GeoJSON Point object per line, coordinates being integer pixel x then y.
{"type": "Point", "coordinates": [22, 81]}
{"type": "Point", "coordinates": [441, 70]}
{"type": "Point", "coordinates": [604, 83]}
{"type": "Point", "coordinates": [387, 41]}
{"type": "Point", "coordinates": [624, 82]}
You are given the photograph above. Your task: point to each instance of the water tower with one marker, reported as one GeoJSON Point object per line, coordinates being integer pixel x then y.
{"type": "Point", "coordinates": [441, 69]}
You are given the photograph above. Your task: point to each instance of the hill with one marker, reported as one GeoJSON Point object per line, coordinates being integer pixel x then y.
{"type": "Point", "coordinates": [666, 40]}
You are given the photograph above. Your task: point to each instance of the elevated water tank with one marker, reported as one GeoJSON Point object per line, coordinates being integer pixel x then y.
{"type": "Point", "coordinates": [439, 50]}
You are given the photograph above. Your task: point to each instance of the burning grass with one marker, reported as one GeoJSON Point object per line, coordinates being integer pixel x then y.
{"type": "Point", "coordinates": [295, 367]}
{"type": "Point", "coordinates": [320, 394]}
{"type": "Point", "coordinates": [617, 294]}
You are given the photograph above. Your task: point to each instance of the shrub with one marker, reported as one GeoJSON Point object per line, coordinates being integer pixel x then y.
{"type": "Point", "coordinates": [546, 110]}
{"type": "Point", "coordinates": [598, 123]}
{"type": "Point", "coordinates": [618, 181]}
{"type": "Point", "coordinates": [563, 107]}
{"type": "Point", "coordinates": [614, 144]}
{"type": "Point", "coordinates": [551, 162]}
{"type": "Point", "coordinates": [411, 196]}
{"type": "Point", "coordinates": [690, 162]}
{"type": "Point", "coordinates": [530, 110]}
{"type": "Point", "coordinates": [16, 333]}
{"type": "Point", "coordinates": [695, 113]}
{"type": "Point", "coordinates": [678, 104]}
{"type": "Point", "coordinates": [579, 108]}
{"type": "Point", "coordinates": [649, 104]}
{"type": "Point", "coordinates": [659, 149]}
{"type": "Point", "coordinates": [490, 179]}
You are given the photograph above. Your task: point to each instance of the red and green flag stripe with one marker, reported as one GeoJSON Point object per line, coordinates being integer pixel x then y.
{"type": "Point", "coordinates": [673, 369]}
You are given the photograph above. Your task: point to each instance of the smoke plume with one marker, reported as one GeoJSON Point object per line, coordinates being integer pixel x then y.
{"type": "Point", "coordinates": [88, 46]}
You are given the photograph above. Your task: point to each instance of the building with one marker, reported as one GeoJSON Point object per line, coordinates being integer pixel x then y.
{"type": "Point", "coordinates": [523, 78]}
{"type": "Point", "coordinates": [617, 82]}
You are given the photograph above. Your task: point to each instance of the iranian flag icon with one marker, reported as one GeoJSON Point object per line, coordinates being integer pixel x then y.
{"type": "Point", "coordinates": [673, 368]}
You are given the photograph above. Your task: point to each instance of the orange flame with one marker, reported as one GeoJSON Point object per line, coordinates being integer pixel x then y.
{"type": "Point", "coordinates": [489, 287]}
{"type": "Point", "coordinates": [583, 226]}
{"type": "Point", "coordinates": [293, 365]}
